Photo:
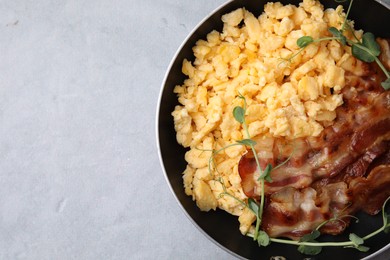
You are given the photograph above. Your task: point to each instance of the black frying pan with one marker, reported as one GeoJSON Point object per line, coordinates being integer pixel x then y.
{"type": "Point", "coordinates": [219, 226]}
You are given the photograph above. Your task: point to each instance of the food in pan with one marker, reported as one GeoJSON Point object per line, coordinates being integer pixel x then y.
{"type": "Point", "coordinates": [287, 121]}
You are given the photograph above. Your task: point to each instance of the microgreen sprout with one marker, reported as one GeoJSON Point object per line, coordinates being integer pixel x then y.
{"type": "Point", "coordinates": [308, 247]}
{"type": "Point", "coordinates": [226, 193]}
{"type": "Point", "coordinates": [239, 115]}
{"type": "Point", "coordinates": [214, 153]}
{"type": "Point", "coordinates": [264, 175]}
{"type": "Point", "coordinates": [307, 244]}
{"type": "Point", "coordinates": [367, 50]}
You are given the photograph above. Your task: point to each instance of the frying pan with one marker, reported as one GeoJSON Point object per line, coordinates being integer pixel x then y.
{"type": "Point", "coordinates": [219, 226]}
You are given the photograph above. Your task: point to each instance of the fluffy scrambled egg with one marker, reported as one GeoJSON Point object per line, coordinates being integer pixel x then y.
{"type": "Point", "coordinates": [289, 93]}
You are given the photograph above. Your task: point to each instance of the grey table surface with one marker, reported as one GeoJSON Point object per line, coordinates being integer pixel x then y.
{"type": "Point", "coordinates": [79, 170]}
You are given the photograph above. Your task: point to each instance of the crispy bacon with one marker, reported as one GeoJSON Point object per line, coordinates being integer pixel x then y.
{"type": "Point", "coordinates": [369, 193]}
{"type": "Point", "coordinates": [342, 171]}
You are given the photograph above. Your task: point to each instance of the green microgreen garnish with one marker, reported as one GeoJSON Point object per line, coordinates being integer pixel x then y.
{"type": "Point", "coordinates": [307, 244]}
{"type": "Point", "coordinates": [311, 237]}
{"type": "Point", "coordinates": [266, 175]}
{"type": "Point", "coordinates": [247, 142]}
{"type": "Point", "coordinates": [304, 41]}
{"type": "Point", "coordinates": [338, 34]}
{"type": "Point", "coordinates": [226, 193]}
{"type": "Point", "coordinates": [386, 84]}
{"type": "Point", "coordinates": [239, 115]}
{"type": "Point", "coordinates": [211, 163]}
{"type": "Point", "coordinates": [263, 238]}
{"type": "Point", "coordinates": [366, 50]}
{"type": "Point", "coordinates": [354, 240]}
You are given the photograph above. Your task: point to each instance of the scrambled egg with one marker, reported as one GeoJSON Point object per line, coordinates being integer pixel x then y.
{"type": "Point", "coordinates": [289, 93]}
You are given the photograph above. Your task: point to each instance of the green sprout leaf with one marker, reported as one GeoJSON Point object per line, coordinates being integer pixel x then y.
{"type": "Point", "coordinates": [339, 35]}
{"type": "Point", "coordinates": [356, 240]}
{"type": "Point", "coordinates": [386, 84]}
{"type": "Point", "coordinates": [253, 206]}
{"type": "Point", "coordinates": [334, 31]}
{"type": "Point", "coordinates": [370, 42]}
{"type": "Point", "coordinates": [247, 142]}
{"type": "Point", "coordinates": [309, 250]}
{"type": "Point", "coordinates": [311, 236]}
{"type": "Point", "coordinates": [368, 49]}
{"type": "Point", "coordinates": [304, 41]}
{"type": "Point", "coordinates": [268, 178]}
{"type": "Point", "coordinates": [263, 238]}
{"type": "Point", "coordinates": [361, 53]}
{"type": "Point", "coordinates": [266, 173]}
{"type": "Point", "coordinates": [363, 248]}
{"type": "Point", "coordinates": [239, 114]}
